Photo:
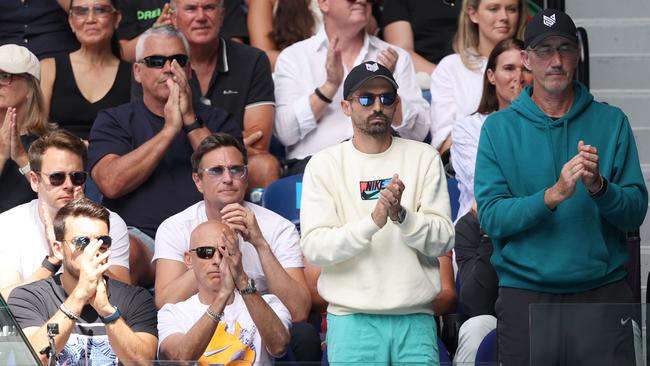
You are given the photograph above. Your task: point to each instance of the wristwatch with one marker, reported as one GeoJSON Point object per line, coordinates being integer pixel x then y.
{"type": "Point", "coordinates": [249, 289]}
{"type": "Point", "coordinates": [401, 215]}
{"type": "Point", "coordinates": [198, 123]}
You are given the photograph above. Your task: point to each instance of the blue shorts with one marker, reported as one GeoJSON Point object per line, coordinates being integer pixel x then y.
{"type": "Point", "coordinates": [369, 339]}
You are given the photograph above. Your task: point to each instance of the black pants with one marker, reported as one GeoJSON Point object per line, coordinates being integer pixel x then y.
{"type": "Point", "coordinates": [478, 280]}
{"type": "Point", "coordinates": [532, 332]}
{"type": "Point", "coordinates": [305, 344]}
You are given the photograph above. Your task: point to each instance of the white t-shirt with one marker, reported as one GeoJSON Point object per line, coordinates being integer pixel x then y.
{"type": "Point", "coordinates": [173, 239]}
{"type": "Point", "coordinates": [23, 244]}
{"type": "Point", "coordinates": [455, 93]}
{"type": "Point", "coordinates": [236, 336]}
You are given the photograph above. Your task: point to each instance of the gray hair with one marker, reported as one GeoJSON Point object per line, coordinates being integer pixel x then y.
{"type": "Point", "coordinates": [165, 31]}
{"type": "Point", "coordinates": [172, 4]}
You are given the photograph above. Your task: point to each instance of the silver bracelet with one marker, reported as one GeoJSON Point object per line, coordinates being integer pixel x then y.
{"type": "Point", "coordinates": [214, 316]}
{"type": "Point", "coordinates": [69, 313]}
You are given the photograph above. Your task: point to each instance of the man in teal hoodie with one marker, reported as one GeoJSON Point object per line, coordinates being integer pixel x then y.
{"type": "Point", "coordinates": [558, 183]}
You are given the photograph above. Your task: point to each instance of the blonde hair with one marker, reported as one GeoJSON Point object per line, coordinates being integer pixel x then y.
{"type": "Point", "coordinates": [36, 121]}
{"type": "Point", "coordinates": [466, 39]}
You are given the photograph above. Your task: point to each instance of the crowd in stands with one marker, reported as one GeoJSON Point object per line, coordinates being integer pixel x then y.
{"type": "Point", "coordinates": [132, 134]}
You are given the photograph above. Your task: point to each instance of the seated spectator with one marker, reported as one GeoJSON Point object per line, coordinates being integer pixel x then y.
{"type": "Point", "coordinates": [309, 77]}
{"type": "Point", "coordinates": [424, 28]}
{"type": "Point", "coordinates": [22, 120]}
{"type": "Point", "coordinates": [138, 16]}
{"type": "Point", "coordinates": [100, 320]}
{"type": "Point", "coordinates": [57, 160]}
{"type": "Point", "coordinates": [505, 76]}
{"type": "Point", "coordinates": [77, 85]}
{"type": "Point", "coordinates": [270, 244]}
{"type": "Point", "coordinates": [456, 82]}
{"type": "Point", "coordinates": [274, 25]}
{"type": "Point", "coordinates": [139, 152]}
{"type": "Point", "coordinates": [234, 77]}
{"type": "Point", "coordinates": [39, 25]}
{"type": "Point", "coordinates": [228, 321]}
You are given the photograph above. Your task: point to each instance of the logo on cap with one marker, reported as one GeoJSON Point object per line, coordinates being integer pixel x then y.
{"type": "Point", "coordinates": [549, 21]}
{"type": "Point", "coordinates": [372, 67]}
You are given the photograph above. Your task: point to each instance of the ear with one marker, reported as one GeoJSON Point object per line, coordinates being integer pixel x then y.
{"type": "Point", "coordinates": [187, 259]}
{"type": "Point", "coordinates": [57, 249]}
{"type": "Point", "coordinates": [197, 182]}
{"type": "Point", "coordinates": [324, 6]}
{"type": "Point", "coordinates": [346, 107]}
{"type": "Point", "coordinates": [136, 72]}
{"type": "Point", "coordinates": [525, 59]}
{"type": "Point", "coordinates": [490, 76]}
{"type": "Point", "coordinates": [33, 181]}
{"type": "Point", "coordinates": [473, 14]}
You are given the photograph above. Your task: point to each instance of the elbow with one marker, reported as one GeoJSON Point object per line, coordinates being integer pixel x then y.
{"type": "Point", "coordinates": [280, 344]}
{"type": "Point", "coordinates": [301, 311]}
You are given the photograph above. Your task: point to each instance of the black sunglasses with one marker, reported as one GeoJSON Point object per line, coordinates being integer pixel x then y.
{"type": "Point", "coordinates": [81, 242]}
{"type": "Point", "coordinates": [58, 178]}
{"type": "Point", "coordinates": [159, 61]}
{"type": "Point", "coordinates": [368, 99]}
{"type": "Point", "coordinates": [205, 252]}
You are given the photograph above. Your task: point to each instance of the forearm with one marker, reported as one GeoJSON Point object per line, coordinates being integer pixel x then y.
{"type": "Point", "coordinates": [129, 347]}
{"type": "Point", "coordinates": [177, 290]}
{"type": "Point", "coordinates": [422, 64]}
{"type": "Point", "coordinates": [445, 302]}
{"type": "Point", "coordinates": [125, 173]}
{"type": "Point", "coordinates": [191, 345]}
{"type": "Point", "coordinates": [273, 333]}
{"type": "Point", "coordinates": [325, 245]}
{"type": "Point", "coordinates": [196, 136]}
{"type": "Point", "coordinates": [292, 294]}
{"type": "Point", "coordinates": [318, 106]}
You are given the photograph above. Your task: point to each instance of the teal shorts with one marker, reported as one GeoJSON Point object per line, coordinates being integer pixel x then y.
{"type": "Point", "coordinates": [368, 339]}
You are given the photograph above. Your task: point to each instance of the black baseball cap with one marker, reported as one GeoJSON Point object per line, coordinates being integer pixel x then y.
{"type": "Point", "coordinates": [549, 23]}
{"type": "Point", "coordinates": [363, 72]}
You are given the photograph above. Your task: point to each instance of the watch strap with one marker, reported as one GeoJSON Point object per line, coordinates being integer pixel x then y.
{"type": "Point", "coordinates": [49, 265]}
{"type": "Point", "coordinates": [249, 289]}
{"type": "Point", "coordinates": [198, 123]}
{"type": "Point", "coordinates": [113, 317]}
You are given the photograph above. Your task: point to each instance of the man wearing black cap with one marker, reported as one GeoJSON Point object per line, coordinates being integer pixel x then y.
{"type": "Point", "coordinates": [375, 216]}
{"type": "Point", "coordinates": [558, 183]}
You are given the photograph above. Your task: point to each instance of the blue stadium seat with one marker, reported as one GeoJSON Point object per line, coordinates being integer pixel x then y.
{"type": "Point", "coordinates": [454, 196]}
{"type": "Point", "coordinates": [487, 350]}
{"type": "Point", "coordinates": [283, 197]}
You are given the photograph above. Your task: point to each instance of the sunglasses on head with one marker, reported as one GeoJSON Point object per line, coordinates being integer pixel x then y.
{"type": "Point", "coordinates": [206, 252]}
{"type": "Point", "coordinates": [58, 178]}
{"type": "Point", "coordinates": [81, 242]}
{"type": "Point", "coordinates": [235, 171]}
{"type": "Point", "coordinates": [368, 99]}
{"type": "Point", "coordinates": [159, 61]}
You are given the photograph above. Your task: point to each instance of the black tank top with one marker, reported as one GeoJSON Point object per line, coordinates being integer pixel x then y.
{"type": "Point", "coordinates": [71, 110]}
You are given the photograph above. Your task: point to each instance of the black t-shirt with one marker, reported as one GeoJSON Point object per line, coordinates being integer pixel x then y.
{"type": "Point", "coordinates": [40, 25]}
{"type": "Point", "coordinates": [35, 303]}
{"type": "Point", "coordinates": [14, 188]}
{"type": "Point", "coordinates": [169, 189]}
{"type": "Point", "coordinates": [433, 22]}
{"type": "Point", "coordinates": [138, 16]}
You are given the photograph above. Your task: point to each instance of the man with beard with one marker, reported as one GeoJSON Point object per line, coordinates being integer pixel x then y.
{"type": "Point", "coordinates": [378, 275]}
{"type": "Point", "coordinates": [139, 153]}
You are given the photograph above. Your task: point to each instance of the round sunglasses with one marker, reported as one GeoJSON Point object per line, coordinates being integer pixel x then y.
{"type": "Point", "coordinates": [81, 242]}
{"type": "Point", "coordinates": [58, 178]}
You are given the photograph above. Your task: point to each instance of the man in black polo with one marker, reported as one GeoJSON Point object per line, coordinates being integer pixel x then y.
{"type": "Point", "coordinates": [232, 76]}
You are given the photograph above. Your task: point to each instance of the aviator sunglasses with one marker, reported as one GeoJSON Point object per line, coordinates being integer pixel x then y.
{"type": "Point", "coordinates": [81, 242]}
{"type": "Point", "coordinates": [368, 99]}
{"type": "Point", "coordinates": [159, 61]}
{"type": "Point", "coordinates": [205, 252]}
{"type": "Point", "coordinates": [58, 178]}
{"type": "Point", "coordinates": [236, 171]}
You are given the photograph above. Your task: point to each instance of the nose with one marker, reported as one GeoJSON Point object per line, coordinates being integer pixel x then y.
{"type": "Point", "coordinates": [503, 14]}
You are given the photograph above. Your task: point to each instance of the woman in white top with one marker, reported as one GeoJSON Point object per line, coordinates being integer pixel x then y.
{"type": "Point", "coordinates": [504, 78]}
{"type": "Point", "coordinates": [456, 82]}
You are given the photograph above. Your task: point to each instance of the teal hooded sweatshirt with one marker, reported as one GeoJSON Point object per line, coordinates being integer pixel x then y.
{"type": "Point", "coordinates": [581, 244]}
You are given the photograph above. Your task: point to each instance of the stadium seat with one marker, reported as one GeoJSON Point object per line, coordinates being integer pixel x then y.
{"type": "Point", "coordinates": [487, 350]}
{"type": "Point", "coordinates": [454, 196]}
{"type": "Point", "coordinates": [283, 197]}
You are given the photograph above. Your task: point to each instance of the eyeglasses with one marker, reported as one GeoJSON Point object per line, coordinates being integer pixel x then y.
{"type": "Point", "coordinates": [159, 61]}
{"type": "Point", "coordinates": [81, 242]}
{"type": "Point", "coordinates": [546, 52]}
{"type": "Point", "coordinates": [100, 11]}
{"type": "Point", "coordinates": [58, 178]}
{"type": "Point", "coordinates": [235, 171]}
{"type": "Point", "coordinates": [368, 99]}
{"type": "Point", "coordinates": [7, 78]}
{"type": "Point", "coordinates": [206, 252]}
